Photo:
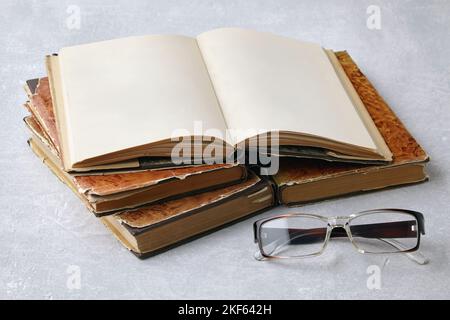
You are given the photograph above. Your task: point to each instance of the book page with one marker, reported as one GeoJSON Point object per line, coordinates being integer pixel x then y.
{"type": "Point", "coordinates": [124, 93]}
{"type": "Point", "coordinates": [270, 82]}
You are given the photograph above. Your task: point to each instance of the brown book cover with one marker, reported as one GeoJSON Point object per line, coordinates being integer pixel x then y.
{"type": "Point", "coordinates": [40, 106]}
{"type": "Point", "coordinates": [106, 194]}
{"type": "Point", "coordinates": [305, 180]}
{"type": "Point", "coordinates": [155, 228]}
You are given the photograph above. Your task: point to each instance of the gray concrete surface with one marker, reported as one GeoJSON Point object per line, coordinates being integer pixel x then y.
{"type": "Point", "coordinates": [47, 237]}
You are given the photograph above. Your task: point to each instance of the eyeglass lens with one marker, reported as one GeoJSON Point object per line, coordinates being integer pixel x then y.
{"type": "Point", "coordinates": [376, 232]}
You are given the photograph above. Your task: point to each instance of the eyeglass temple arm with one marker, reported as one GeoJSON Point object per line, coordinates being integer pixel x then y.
{"type": "Point", "coordinates": [400, 229]}
{"type": "Point", "coordinates": [415, 256]}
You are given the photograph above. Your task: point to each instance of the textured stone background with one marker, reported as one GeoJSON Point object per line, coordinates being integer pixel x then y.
{"type": "Point", "coordinates": [45, 230]}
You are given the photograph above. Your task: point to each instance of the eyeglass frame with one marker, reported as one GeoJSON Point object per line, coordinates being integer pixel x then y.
{"type": "Point", "coordinates": [344, 224]}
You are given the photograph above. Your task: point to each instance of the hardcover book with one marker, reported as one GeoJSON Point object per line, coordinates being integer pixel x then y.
{"type": "Point", "coordinates": [233, 80]}
{"type": "Point", "coordinates": [106, 192]}
{"type": "Point", "coordinates": [306, 180]}
{"type": "Point", "coordinates": [151, 229]}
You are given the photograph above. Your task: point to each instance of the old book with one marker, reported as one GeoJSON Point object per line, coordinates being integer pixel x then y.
{"type": "Point", "coordinates": [41, 108]}
{"type": "Point", "coordinates": [154, 228]}
{"type": "Point", "coordinates": [234, 81]}
{"type": "Point", "coordinates": [108, 193]}
{"type": "Point", "coordinates": [305, 180]}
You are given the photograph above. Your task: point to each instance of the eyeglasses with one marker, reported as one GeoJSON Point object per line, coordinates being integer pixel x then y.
{"type": "Point", "coordinates": [377, 231]}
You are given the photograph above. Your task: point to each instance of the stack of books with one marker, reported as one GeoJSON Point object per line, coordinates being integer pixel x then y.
{"type": "Point", "coordinates": [118, 122]}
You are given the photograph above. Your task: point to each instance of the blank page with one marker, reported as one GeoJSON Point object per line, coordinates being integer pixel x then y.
{"type": "Point", "coordinates": [264, 81]}
{"type": "Point", "coordinates": [128, 92]}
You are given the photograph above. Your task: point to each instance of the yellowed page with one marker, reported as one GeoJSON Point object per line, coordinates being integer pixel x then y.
{"type": "Point", "coordinates": [128, 92]}
{"type": "Point", "coordinates": [270, 82]}
{"type": "Point", "coordinates": [359, 106]}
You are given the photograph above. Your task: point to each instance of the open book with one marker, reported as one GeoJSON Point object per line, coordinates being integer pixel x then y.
{"type": "Point", "coordinates": [122, 99]}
